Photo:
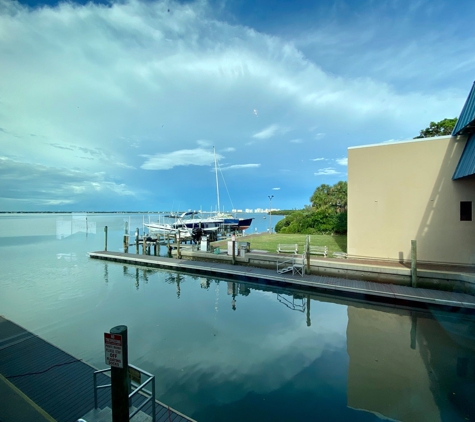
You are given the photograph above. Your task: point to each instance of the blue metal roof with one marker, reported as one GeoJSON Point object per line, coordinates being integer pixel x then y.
{"type": "Point", "coordinates": [466, 165]}
{"type": "Point", "coordinates": [466, 122]}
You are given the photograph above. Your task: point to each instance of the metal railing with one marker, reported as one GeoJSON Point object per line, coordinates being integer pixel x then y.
{"type": "Point", "coordinates": [137, 388]}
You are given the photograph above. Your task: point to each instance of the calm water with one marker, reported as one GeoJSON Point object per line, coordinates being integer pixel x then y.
{"type": "Point", "coordinates": [224, 351]}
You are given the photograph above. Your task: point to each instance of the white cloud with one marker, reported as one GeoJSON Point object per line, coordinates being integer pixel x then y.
{"type": "Point", "coordinates": [185, 157]}
{"type": "Point", "coordinates": [267, 133]}
{"type": "Point", "coordinates": [296, 141]}
{"type": "Point", "coordinates": [275, 188]}
{"type": "Point", "coordinates": [342, 161]}
{"type": "Point", "coordinates": [319, 136]}
{"type": "Point", "coordinates": [230, 149]}
{"type": "Point", "coordinates": [318, 159]}
{"type": "Point", "coordinates": [326, 172]}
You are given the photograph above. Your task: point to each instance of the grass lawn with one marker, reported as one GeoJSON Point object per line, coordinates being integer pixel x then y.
{"type": "Point", "coordinates": [269, 242]}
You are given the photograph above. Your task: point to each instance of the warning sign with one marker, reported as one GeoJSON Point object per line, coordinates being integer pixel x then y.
{"type": "Point", "coordinates": [113, 349]}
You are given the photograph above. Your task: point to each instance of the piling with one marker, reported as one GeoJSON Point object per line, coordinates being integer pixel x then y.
{"type": "Point", "coordinates": [126, 237]}
{"type": "Point", "coordinates": [137, 241]}
{"type": "Point", "coordinates": [413, 263]}
{"type": "Point", "coordinates": [105, 238]}
{"type": "Point", "coordinates": [120, 382]}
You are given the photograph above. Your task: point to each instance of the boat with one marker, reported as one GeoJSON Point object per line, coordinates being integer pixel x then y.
{"type": "Point", "coordinates": [210, 221]}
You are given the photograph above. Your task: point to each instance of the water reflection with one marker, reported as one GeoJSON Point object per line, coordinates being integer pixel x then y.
{"type": "Point", "coordinates": [235, 351]}
{"type": "Point", "coordinates": [424, 381]}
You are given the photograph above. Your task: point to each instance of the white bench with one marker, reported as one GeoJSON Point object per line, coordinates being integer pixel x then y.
{"type": "Point", "coordinates": [318, 250]}
{"type": "Point", "coordinates": [340, 255]}
{"type": "Point", "coordinates": [287, 248]}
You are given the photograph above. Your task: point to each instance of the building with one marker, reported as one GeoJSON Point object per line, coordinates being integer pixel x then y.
{"type": "Point", "coordinates": [421, 189]}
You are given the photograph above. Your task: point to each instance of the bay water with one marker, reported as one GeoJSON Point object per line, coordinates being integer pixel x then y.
{"type": "Point", "coordinates": [234, 351]}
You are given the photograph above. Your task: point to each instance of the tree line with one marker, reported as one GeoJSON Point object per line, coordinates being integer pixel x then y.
{"type": "Point", "coordinates": [327, 213]}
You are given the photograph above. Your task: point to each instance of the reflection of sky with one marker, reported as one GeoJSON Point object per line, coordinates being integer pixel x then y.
{"type": "Point", "coordinates": [211, 362]}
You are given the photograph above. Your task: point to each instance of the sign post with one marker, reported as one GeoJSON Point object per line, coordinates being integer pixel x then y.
{"type": "Point", "coordinates": [116, 355]}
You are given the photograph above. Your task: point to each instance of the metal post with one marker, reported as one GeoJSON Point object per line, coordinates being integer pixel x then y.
{"type": "Point", "coordinates": [105, 238]}
{"type": "Point", "coordinates": [137, 241]}
{"type": "Point", "coordinates": [270, 212]}
{"type": "Point", "coordinates": [413, 263]}
{"type": "Point", "coordinates": [120, 382]}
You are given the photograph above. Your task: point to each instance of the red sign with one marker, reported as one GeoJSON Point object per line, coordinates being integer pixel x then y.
{"type": "Point", "coordinates": [113, 350]}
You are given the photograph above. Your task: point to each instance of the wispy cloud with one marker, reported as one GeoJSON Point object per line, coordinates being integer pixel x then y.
{"type": "Point", "coordinates": [275, 188]}
{"type": "Point", "coordinates": [296, 141]}
{"type": "Point", "coordinates": [240, 166]}
{"type": "Point", "coordinates": [318, 159]}
{"type": "Point", "coordinates": [342, 161]}
{"type": "Point", "coordinates": [185, 157]}
{"type": "Point", "coordinates": [326, 172]}
{"type": "Point", "coordinates": [267, 133]}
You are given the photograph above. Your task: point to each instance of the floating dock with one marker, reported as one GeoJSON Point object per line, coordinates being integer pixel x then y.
{"type": "Point", "coordinates": [367, 290]}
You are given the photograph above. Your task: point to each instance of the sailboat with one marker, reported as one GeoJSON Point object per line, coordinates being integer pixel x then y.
{"type": "Point", "coordinates": [213, 220]}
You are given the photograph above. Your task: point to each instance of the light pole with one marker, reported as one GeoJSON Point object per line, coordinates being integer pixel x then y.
{"type": "Point", "coordinates": [270, 212]}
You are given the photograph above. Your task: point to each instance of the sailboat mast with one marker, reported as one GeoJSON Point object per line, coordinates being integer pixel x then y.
{"type": "Point", "coordinates": [216, 172]}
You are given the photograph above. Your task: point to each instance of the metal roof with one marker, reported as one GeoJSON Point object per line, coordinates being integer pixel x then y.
{"type": "Point", "coordinates": [466, 121]}
{"type": "Point", "coordinates": [466, 165]}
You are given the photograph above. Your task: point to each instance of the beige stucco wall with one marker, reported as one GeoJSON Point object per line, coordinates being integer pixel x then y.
{"type": "Point", "coordinates": [403, 191]}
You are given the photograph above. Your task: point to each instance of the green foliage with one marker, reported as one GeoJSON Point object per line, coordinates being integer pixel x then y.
{"type": "Point", "coordinates": [327, 215]}
{"type": "Point", "coordinates": [326, 196]}
{"type": "Point", "coordinates": [444, 127]}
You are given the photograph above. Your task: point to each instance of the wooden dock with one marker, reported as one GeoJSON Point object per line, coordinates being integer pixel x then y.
{"type": "Point", "coordinates": [347, 287]}
{"type": "Point", "coordinates": [44, 383]}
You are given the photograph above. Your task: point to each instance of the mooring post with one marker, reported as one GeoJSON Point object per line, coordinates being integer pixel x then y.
{"type": "Point", "coordinates": [413, 263]}
{"type": "Point", "coordinates": [144, 244]}
{"type": "Point", "coordinates": [137, 241]}
{"type": "Point", "coordinates": [105, 238]}
{"type": "Point", "coordinates": [126, 237]}
{"type": "Point", "coordinates": [307, 253]}
{"type": "Point", "coordinates": [120, 382]}
{"type": "Point", "coordinates": [178, 252]}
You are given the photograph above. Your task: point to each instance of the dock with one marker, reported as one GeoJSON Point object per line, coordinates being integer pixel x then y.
{"type": "Point", "coordinates": [40, 382]}
{"type": "Point", "coordinates": [368, 290]}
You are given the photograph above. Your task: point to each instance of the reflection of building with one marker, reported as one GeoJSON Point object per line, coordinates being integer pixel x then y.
{"type": "Point", "coordinates": [406, 367]}
{"type": "Point", "coordinates": [422, 189]}
{"type": "Point", "coordinates": [77, 223]}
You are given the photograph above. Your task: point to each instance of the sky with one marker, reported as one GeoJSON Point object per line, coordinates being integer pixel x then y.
{"type": "Point", "coordinates": [120, 105]}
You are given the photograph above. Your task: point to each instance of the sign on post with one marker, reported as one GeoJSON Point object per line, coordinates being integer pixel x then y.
{"type": "Point", "coordinates": [113, 350]}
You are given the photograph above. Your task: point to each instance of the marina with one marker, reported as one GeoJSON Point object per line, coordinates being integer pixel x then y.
{"type": "Point", "coordinates": [238, 342]}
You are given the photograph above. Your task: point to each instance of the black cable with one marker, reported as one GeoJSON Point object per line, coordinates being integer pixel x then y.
{"type": "Point", "coordinates": [42, 372]}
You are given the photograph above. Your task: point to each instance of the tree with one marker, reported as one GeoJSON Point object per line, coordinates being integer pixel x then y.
{"type": "Point", "coordinates": [327, 213]}
{"type": "Point", "coordinates": [444, 127]}
{"type": "Point", "coordinates": [332, 197]}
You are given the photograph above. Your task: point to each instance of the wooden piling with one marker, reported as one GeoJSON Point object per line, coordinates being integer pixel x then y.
{"type": "Point", "coordinates": [137, 241]}
{"type": "Point", "coordinates": [105, 238]}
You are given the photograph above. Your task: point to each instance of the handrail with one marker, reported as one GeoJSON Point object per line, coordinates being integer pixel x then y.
{"type": "Point", "coordinates": [138, 388]}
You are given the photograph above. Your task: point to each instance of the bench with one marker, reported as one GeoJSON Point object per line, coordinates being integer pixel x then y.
{"type": "Point", "coordinates": [318, 250]}
{"type": "Point", "coordinates": [340, 255]}
{"type": "Point", "coordinates": [287, 248]}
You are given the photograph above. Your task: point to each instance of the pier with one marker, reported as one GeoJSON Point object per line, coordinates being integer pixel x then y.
{"type": "Point", "coordinates": [221, 266]}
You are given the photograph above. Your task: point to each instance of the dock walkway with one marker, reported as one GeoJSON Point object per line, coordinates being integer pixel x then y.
{"type": "Point", "coordinates": [366, 289]}
{"type": "Point", "coordinates": [39, 382]}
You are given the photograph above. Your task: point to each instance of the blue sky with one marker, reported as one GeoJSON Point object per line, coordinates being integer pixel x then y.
{"type": "Point", "coordinates": [118, 105]}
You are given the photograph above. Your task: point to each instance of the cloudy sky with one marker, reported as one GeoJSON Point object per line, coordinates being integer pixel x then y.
{"type": "Point", "coordinates": [118, 105]}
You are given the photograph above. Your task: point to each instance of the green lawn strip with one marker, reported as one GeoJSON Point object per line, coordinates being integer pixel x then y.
{"type": "Point", "coordinates": [270, 242]}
